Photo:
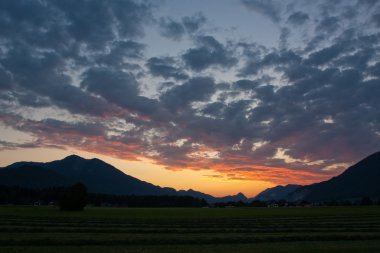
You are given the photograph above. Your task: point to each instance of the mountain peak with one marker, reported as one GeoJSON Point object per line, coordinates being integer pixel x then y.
{"type": "Point", "coordinates": [73, 157]}
{"type": "Point", "coordinates": [240, 194]}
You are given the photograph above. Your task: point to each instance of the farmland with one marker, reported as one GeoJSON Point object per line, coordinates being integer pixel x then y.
{"type": "Point", "coordinates": [318, 229]}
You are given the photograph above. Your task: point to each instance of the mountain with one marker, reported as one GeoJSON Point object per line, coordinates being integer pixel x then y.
{"type": "Point", "coordinates": [234, 198]}
{"type": "Point", "coordinates": [199, 195]}
{"type": "Point", "coordinates": [211, 199]}
{"type": "Point", "coordinates": [32, 176]}
{"type": "Point", "coordinates": [359, 180]}
{"type": "Point", "coordinates": [98, 176]}
{"type": "Point", "coordinates": [276, 193]}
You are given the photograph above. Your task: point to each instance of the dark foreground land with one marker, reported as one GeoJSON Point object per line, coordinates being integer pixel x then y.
{"type": "Point", "coordinates": [322, 229]}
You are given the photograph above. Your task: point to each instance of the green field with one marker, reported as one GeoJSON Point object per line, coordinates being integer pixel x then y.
{"type": "Point", "coordinates": [322, 229]}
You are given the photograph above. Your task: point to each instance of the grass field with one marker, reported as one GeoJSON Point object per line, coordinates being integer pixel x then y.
{"type": "Point", "coordinates": [322, 229]}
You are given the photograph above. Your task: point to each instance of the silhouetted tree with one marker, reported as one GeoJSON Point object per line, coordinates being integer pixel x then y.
{"type": "Point", "coordinates": [59, 195]}
{"type": "Point", "coordinates": [75, 198]}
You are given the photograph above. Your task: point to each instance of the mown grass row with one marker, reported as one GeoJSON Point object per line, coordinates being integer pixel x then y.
{"type": "Point", "coordinates": [188, 227]}
{"type": "Point", "coordinates": [185, 231]}
{"type": "Point", "coordinates": [165, 239]}
{"type": "Point", "coordinates": [272, 247]}
{"type": "Point", "coordinates": [191, 213]}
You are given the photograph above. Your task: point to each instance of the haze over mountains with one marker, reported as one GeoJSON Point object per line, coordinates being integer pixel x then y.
{"type": "Point", "coordinates": [359, 180]}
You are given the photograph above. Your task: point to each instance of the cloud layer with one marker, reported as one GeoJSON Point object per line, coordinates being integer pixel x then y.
{"type": "Point", "coordinates": [290, 114]}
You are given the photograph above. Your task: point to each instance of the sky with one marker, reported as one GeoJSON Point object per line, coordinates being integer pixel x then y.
{"type": "Point", "coordinates": [220, 96]}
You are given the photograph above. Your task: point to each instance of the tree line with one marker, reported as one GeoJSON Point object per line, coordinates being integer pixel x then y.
{"type": "Point", "coordinates": [76, 195]}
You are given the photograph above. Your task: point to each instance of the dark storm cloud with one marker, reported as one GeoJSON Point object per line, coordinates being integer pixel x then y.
{"type": "Point", "coordinates": [209, 52]}
{"type": "Point", "coordinates": [165, 67]}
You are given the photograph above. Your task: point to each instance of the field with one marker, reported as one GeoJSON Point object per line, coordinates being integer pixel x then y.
{"type": "Point", "coordinates": [322, 229]}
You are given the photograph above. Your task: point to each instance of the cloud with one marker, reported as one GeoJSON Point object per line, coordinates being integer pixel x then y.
{"type": "Point", "coordinates": [46, 43]}
{"type": "Point", "coordinates": [209, 53]}
{"type": "Point", "coordinates": [194, 23]}
{"type": "Point", "coordinates": [5, 80]}
{"type": "Point", "coordinates": [266, 7]}
{"type": "Point", "coordinates": [195, 89]}
{"type": "Point", "coordinates": [328, 25]}
{"type": "Point", "coordinates": [376, 19]}
{"type": "Point", "coordinates": [273, 59]}
{"type": "Point", "coordinates": [117, 87]}
{"type": "Point", "coordinates": [40, 76]}
{"type": "Point", "coordinates": [326, 54]}
{"type": "Point", "coordinates": [172, 29]}
{"type": "Point", "coordinates": [227, 107]}
{"type": "Point", "coordinates": [298, 18]}
{"type": "Point", "coordinates": [165, 67]}
{"type": "Point", "coordinates": [94, 23]}
{"type": "Point", "coordinates": [121, 52]}
{"type": "Point", "coordinates": [176, 30]}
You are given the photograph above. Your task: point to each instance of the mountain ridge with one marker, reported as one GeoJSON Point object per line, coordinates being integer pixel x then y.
{"type": "Point", "coordinates": [278, 192]}
{"type": "Point", "coordinates": [359, 180]}
{"type": "Point", "coordinates": [101, 177]}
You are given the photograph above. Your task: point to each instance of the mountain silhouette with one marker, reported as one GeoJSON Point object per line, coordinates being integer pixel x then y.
{"type": "Point", "coordinates": [359, 180]}
{"type": "Point", "coordinates": [98, 176]}
{"type": "Point", "coordinates": [32, 176]}
{"type": "Point", "coordinates": [232, 198]}
{"type": "Point", "coordinates": [276, 193]}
